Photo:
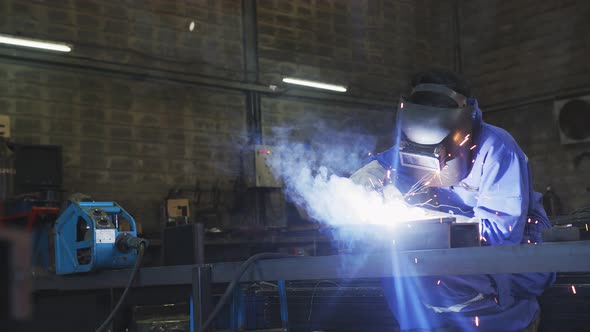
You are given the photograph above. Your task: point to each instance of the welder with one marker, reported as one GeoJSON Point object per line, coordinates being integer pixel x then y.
{"type": "Point", "coordinates": [445, 158]}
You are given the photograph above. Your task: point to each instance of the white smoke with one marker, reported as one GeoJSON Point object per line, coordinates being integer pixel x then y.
{"type": "Point", "coordinates": [316, 178]}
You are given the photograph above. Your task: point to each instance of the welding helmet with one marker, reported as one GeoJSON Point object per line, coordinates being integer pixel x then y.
{"type": "Point", "coordinates": [435, 143]}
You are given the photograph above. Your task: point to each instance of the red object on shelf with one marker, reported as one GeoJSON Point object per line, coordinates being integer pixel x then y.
{"type": "Point", "coordinates": [30, 216]}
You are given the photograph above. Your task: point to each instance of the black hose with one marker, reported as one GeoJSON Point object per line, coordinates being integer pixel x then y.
{"type": "Point", "coordinates": [228, 291]}
{"type": "Point", "coordinates": [108, 320]}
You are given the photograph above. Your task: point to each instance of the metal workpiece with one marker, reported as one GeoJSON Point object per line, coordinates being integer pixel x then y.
{"type": "Point", "coordinates": [546, 257]}
{"type": "Point", "coordinates": [436, 233]}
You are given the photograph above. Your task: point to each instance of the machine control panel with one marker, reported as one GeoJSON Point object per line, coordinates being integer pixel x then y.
{"type": "Point", "coordinates": [101, 218]}
{"type": "Point", "coordinates": [262, 166]}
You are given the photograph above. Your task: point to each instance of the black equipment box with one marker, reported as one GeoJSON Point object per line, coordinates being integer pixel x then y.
{"type": "Point", "coordinates": [38, 168]}
{"type": "Point", "coordinates": [183, 244]}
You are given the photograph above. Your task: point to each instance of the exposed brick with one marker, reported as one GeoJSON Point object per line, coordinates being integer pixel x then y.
{"type": "Point", "coordinates": [524, 50]}
{"type": "Point", "coordinates": [158, 134]}
{"type": "Point", "coordinates": [121, 133]}
{"type": "Point", "coordinates": [92, 147]}
{"type": "Point", "coordinates": [118, 178]}
{"type": "Point", "coordinates": [336, 30]}
{"type": "Point", "coordinates": [93, 129]}
{"type": "Point", "coordinates": [26, 125]}
{"type": "Point", "coordinates": [93, 162]}
{"type": "Point", "coordinates": [120, 148]}
{"type": "Point", "coordinates": [61, 16]}
{"type": "Point", "coordinates": [64, 126]}
{"type": "Point", "coordinates": [121, 12]}
{"type": "Point", "coordinates": [88, 6]}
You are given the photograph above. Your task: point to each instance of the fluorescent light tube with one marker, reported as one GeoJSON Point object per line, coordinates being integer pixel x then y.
{"type": "Point", "coordinates": [26, 42]}
{"type": "Point", "coordinates": [313, 84]}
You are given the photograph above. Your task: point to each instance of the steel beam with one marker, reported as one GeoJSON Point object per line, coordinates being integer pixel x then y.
{"type": "Point", "coordinates": [201, 295]}
{"type": "Point", "coordinates": [546, 257]}
{"type": "Point", "coordinates": [250, 34]}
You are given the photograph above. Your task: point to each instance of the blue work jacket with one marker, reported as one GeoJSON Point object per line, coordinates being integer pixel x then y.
{"type": "Point", "coordinates": [499, 192]}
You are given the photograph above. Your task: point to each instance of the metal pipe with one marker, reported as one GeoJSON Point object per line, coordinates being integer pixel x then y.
{"type": "Point", "coordinates": [511, 104]}
{"type": "Point", "coordinates": [250, 40]}
{"type": "Point", "coordinates": [83, 65]}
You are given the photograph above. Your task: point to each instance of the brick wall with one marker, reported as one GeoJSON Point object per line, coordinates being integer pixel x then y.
{"type": "Point", "coordinates": [132, 138]}
{"type": "Point", "coordinates": [125, 140]}
{"type": "Point", "coordinates": [515, 51]}
{"type": "Point", "coordinates": [534, 128]}
{"type": "Point", "coordinates": [325, 124]}
{"type": "Point", "coordinates": [373, 47]}
{"type": "Point", "coordinates": [146, 33]}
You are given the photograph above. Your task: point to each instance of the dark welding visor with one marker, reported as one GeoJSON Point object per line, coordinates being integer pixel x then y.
{"type": "Point", "coordinates": [430, 138]}
{"type": "Point", "coordinates": [422, 157]}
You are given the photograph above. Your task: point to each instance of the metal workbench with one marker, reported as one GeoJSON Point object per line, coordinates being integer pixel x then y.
{"type": "Point", "coordinates": [546, 257]}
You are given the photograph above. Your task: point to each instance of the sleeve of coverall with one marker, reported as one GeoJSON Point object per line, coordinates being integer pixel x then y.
{"type": "Point", "coordinates": [503, 196]}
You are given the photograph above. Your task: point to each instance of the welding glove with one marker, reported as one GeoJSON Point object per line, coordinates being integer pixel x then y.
{"type": "Point", "coordinates": [370, 176]}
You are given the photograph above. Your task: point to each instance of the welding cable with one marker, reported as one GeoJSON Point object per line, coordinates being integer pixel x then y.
{"type": "Point", "coordinates": [234, 282]}
{"type": "Point", "coordinates": [313, 295]}
{"type": "Point", "coordinates": [138, 260]}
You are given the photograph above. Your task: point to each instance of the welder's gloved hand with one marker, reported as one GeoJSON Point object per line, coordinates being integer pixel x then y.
{"type": "Point", "coordinates": [371, 176]}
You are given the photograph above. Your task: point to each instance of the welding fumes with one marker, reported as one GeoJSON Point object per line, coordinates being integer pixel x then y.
{"type": "Point", "coordinates": [434, 147]}
{"type": "Point", "coordinates": [311, 182]}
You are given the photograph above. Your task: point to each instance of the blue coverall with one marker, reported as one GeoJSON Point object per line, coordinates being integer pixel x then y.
{"type": "Point", "coordinates": [499, 192]}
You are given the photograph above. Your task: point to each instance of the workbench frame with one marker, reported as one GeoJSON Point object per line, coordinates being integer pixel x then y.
{"type": "Point", "coordinates": [527, 258]}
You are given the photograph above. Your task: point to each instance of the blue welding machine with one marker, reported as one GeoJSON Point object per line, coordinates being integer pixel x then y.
{"type": "Point", "coordinates": [92, 236]}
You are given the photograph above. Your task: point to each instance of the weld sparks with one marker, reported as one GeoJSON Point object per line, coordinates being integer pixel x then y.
{"type": "Point", "coordinates": [573, 289]}
{"type": "Point", "coordinates": [428, 201]}
{"type": "Point", "coordinates": [438, 282]}
{"type": "Point", "coordinates": [464, 140]}
{"type": "Point", "coordinates": [476, 321]}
